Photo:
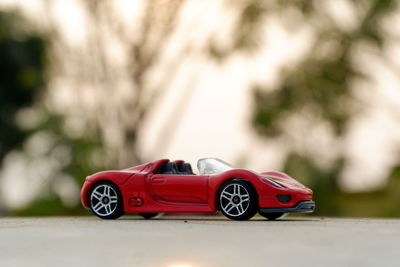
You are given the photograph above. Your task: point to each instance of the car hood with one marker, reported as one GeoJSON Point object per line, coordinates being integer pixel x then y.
{"type": "Point", "coordinates": [285, 180]}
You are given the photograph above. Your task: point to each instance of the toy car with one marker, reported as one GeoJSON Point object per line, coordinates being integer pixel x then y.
{"type": "Point", "coordinates": [163, 186]}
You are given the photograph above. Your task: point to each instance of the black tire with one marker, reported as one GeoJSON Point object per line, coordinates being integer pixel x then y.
{"type": "Point", "coordinates": [272, 216]}
{"type": "Point", "coordinates": [148, 215]}
{"type": "Point", "coordinates": [105, 200]}
{"type": "Point", "coordinates": [237, 200]}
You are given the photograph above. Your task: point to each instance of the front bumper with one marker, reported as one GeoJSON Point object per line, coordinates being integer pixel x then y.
{"type": "Point", "coordinates": [302, 206]}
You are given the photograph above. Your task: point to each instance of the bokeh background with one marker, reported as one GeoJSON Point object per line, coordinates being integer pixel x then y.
{"type": "Point", "coordinates": [309, 87]}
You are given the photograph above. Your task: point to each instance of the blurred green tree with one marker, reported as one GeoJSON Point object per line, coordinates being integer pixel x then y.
{"type": "Point", "coordinates": [23, 83]}
{"type": "Point", "coordinates": [22, 76]}
{"type": "Point", "coordinates": [94, 68]}
{"type": "Point", "coordinates": [143, 45]}
{"type": "Point", "coordinates": [318, 89]}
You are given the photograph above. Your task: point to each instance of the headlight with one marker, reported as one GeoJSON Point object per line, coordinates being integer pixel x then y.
{"type": "Point", "coordinates": [274, 183]}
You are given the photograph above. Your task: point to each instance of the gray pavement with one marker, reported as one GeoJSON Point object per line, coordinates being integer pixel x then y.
{"type": "Point", "coordinates": [198, 241]}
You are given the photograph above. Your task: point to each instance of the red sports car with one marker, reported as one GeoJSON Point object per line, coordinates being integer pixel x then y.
{"type": "Point", "coordinates": [163, 186]}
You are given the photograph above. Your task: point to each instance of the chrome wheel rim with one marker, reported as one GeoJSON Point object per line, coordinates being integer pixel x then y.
{"type": "Point", "coordinates": [234, 200]}
{"type": "Point", "coordinates": [104, 200]}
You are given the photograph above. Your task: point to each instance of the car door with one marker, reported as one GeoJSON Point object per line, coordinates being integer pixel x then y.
{"type": "Point", "coordinates": [179, 188]}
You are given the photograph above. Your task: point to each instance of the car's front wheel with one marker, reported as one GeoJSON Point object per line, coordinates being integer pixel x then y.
{"type": "Point", "coordinates": [105, 200]}
{"type": "Point", "coordinates": [237, 200]}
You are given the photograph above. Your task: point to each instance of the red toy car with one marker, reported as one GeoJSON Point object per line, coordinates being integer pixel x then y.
{"type": "Point", "coordinates": [171, 187]}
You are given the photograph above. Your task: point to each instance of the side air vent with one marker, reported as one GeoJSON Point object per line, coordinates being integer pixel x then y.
{"type": "Point", "coordinates": [284, 198]}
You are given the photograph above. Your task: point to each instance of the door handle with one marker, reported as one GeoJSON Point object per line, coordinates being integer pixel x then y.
{"type": "Point", "coordinates": [158, 180]}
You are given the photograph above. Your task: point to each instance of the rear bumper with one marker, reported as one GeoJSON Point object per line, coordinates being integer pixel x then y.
{"type": "Point", "coordinates": [302, 206]}
{"type": "Point", "coordinates": [84, 193]}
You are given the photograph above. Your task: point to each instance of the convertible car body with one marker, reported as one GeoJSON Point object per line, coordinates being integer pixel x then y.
{"type": "Point", "coordinates": [163, 186]}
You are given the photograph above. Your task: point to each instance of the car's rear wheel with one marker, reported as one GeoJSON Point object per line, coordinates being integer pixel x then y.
{"type": "Point", "coordinates": [237, 200]}
{"type": "Point", "coordinates": [148, 215]}
{"type": "Point", "coordinates": [105, 200]}
{"type": "Point", "coordinates": [272, 215]}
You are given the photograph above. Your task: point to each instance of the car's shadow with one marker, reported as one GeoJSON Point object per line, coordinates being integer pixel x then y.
{"type": "Point", "coordinates": [218, 219]}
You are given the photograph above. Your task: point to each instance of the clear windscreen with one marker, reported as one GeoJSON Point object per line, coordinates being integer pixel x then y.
{"type": "Point", "coordinates": [212, 166]}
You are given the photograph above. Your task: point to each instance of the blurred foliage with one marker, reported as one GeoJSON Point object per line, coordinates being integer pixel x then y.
{"type": "Point", "coordinates": [22, 77]}
{"type": "Point", "coordinates": [332, 201]}
{"type": "Point", "coordinates": [321, 83]}
{"type": "Point", "coordinates": [319, 90]}
{"type": "Point", "coordinates": [78, 155]}
{"type": "Point", "coordinates": [76, 160]}
{"type": "Point", "coordinates": [50, 206]}
{"type": "Point", "coordinates": [23, 69]}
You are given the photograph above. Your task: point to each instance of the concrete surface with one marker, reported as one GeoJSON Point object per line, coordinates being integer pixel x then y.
{"type": "Point", "coordinates": [198, 241]}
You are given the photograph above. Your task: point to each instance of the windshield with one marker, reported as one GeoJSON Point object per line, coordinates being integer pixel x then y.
{"type": "Point", "coordinates": [211, 166]}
